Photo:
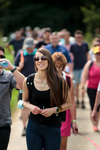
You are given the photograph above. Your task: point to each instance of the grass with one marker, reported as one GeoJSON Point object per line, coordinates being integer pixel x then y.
{"type": "Point", "coordinates": [14, 98]}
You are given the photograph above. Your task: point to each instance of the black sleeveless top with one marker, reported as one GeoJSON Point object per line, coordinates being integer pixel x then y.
{"type": "Point", "coordinates": [42, 100]}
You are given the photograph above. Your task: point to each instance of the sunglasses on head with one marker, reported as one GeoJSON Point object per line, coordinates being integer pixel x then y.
{"type": "Point", "coordinates": [38, 58]}
{"type": "Point", "coordinates": [2, 56]}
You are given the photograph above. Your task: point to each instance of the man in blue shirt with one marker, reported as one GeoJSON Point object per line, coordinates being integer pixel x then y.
{"type": "Point", "coordinates": [55, 47]}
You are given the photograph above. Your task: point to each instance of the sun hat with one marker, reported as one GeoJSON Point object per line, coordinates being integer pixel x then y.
{"type": "Point", "coordinates": [28, 42]}
{"type": "Point", "coordinates": [96, 49]}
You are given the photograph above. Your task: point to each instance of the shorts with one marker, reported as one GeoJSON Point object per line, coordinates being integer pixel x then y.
{"type": "Point", "coordinates": [77, 75]}
{"type": "Point", "coordinates": [66, 126]}
{"type": "Point", "coordinates": [92, 95]}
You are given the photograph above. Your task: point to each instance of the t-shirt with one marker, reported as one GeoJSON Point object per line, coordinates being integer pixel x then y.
{"type": "Point", "coordinates": [17, 44]}
{"type": "Point", "coordinates": [59, 48]}
{"type": "Point", "coordinates": [80, 57]}
{"type": "Point", "coordinates": [7, 83]}
{"type": "Point", "coordinates": [41, 43]}
{"type": "Point", "coordinates": [29, 67]}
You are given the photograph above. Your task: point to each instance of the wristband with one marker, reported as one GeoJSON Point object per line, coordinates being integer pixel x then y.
{"type": "Point", "coordinates": [20, 104]}
{"type": "Point", "coordinates": [13, 69]}
{"type": "Point", "coordinates": [73, 120]}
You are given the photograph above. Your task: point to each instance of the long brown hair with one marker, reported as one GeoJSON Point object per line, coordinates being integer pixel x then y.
{"type": "Point", "coordinates": [58, 86]}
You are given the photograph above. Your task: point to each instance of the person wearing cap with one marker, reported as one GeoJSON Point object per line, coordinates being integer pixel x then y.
{"type": "Point", "coordinates": [24, 62]}
{"type": "Point", "coordinates": [96, 41]}
{"type": "Point", "coordinates": [91, 73]}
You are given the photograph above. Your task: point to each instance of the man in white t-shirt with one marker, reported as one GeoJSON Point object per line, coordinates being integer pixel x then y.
{"type": "Point", "coordinates": [97, 103]}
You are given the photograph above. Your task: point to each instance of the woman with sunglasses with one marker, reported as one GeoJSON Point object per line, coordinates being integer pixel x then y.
{"type": "Point", "coordinates": [91, 75]}
{"type": "Point", "coordinates": [96, 41]}
{"type": "Point", "coordinates": [49, 97]}
{"type": "Point", "coordinates": [60, 62]}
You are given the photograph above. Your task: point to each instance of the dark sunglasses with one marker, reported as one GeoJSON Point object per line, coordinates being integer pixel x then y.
{"type": "Point", "coordinates": [97, 45]}
{"type": "Point", "coordinates": [2, 56]}
{"type": "Point", "coordinates": [38, 58]}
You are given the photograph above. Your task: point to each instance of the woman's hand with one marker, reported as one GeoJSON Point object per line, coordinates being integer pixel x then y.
{"type": "Point", "coordinates": [83, 91]}
{"type": "Point", "coordinates": [35, 110]}
{"type": "Point", "coordinates": [32, 108]}
{"type": "Point", "coordinates": [48, 111]}
{"type": "Point", "coordinates": [94, 115]}
{"type": "Point", "coordinates": [75, 128]}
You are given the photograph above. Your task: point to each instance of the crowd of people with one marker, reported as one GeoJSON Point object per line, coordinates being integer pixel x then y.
{"type": "Point", "coordinates": [49, 70]}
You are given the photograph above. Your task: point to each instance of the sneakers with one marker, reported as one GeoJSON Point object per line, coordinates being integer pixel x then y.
{"type": "Point", "coordinates": [95, 128]}
{"type": "Point", "coordinates": [24, 132]}
{"type": "Point", "coordinates": [83, 106]}
{"type": "Point", "coordinates": [77, 102]}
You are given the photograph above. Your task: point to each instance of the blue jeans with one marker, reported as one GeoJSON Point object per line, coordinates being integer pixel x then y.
{"type": "Point", "coordinates": [40, 136]}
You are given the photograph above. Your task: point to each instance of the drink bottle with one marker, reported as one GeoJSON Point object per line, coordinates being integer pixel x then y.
{"type": "Point", "coordinates": [4, 63]}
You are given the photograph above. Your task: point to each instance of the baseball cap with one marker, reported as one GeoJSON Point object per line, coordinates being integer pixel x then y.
{"type": "Point", "coordinates": [28, 42]}
{"type": "Point", "coordinates": [96, 49]}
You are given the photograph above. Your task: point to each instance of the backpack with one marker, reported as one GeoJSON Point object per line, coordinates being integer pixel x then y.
{"type": "Point", "coordinates": [91, 65]}
{"type": "Point", "coordinates": [21, 57]}
{"type": "Point", "coordinates": [29, 83]}
{"type": "Point", "coordinates": [67, 78]}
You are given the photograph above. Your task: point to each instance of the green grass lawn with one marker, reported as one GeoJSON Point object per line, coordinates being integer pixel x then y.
{"type": "Point", "coordinates": [14, 99]}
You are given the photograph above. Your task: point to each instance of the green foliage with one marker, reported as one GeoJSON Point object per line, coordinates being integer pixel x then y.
{"type": "Point", "coordinates": [14, 100]}
{"type": "Point", "coordinates": [54, 14]}
{"type": "Point", "coordinates": [88, 38]}
{"type": "Point", "coordinates": [83, 15]}
{"type": "Point", "coordinates": [91, 18]}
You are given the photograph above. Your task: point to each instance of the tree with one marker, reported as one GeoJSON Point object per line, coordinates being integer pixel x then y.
{"type": "Point", "coordinates": [92, 19]}
{"type": "Point", "coordinates": [55, 14]}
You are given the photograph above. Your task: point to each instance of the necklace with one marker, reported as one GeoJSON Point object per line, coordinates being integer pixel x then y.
{"type": "Point", "coordinates": [43, 83]}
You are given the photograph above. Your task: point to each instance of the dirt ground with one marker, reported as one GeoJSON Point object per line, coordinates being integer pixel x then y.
{"type": "Point", "coordinates": [17, 142]}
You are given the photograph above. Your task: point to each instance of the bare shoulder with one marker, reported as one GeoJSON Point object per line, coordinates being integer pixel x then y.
{"type": "Point", "coordinates": [87, 65]}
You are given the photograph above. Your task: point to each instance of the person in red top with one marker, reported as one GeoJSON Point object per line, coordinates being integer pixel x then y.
{"type": "Point", "coordinates": [91, 74]}
{"type": "Point", "coordinates": [60, 62]}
